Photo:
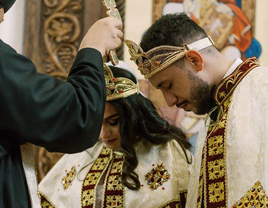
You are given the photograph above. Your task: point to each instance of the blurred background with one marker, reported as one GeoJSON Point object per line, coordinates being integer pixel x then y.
{"type": "Point", "coordinates": [51, 30]}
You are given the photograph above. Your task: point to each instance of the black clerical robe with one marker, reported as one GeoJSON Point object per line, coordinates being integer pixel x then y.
{"type": "Point", "coordinates": [40, 109]}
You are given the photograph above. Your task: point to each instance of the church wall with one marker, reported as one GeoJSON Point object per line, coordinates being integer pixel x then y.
{"type": "Point", "coordinates": [11, 29]}
{"type": "Point", "coordinates": [138, 19]}
{"type": "Point", "coordinates": [261, 30]}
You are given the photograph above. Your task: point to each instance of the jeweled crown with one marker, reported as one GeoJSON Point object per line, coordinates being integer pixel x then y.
{"type": "Point", "coordinates": [161, 57]}
{"type": "Point", "coordinates": [119, 87]}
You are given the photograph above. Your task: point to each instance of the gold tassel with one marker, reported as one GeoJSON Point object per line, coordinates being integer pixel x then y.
{"type": "Point", "coordinates": [211, 125]}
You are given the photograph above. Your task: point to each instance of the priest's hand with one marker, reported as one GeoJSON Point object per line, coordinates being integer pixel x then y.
{"type": "Point", "coordinates": [104, 35]}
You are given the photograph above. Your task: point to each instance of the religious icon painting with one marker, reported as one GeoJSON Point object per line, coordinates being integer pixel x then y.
{"type": "Point", "coordinates": [230, 23]}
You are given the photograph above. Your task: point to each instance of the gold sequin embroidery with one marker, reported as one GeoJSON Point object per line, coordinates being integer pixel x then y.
{"type": "Point", "coordinates": [157, 176]}
{"type": "Point", "coordinates": [215, 145]}
{"type": "Point", "coordinates": [114, 183]}
{"type": "Point", "coordinates": [87, 197]}
{"type": "Point", "coordinates": [70, 176]}
{"type": "Point", "coordinates": [254, 198]}
{"type": "Point", "coordinates": [222, 94]}
{"type": "Point", "coordinates": [100, 163]}
{"type": "Point", "coordinates": [216, 169]}
{"type": "Point", "coordinates": [216, 192]}
{"type": "Point", "coordinates": [92, 178]}
{"type": "Point", "coordinates": [114, 201]}
{"type": "Point", "coordinates": [117, 167]}
{"type": "Point", "coordinates": [45, 202]}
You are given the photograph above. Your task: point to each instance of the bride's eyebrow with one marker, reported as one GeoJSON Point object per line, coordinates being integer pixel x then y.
{"type": "Point", "coordinates": [111, 116]}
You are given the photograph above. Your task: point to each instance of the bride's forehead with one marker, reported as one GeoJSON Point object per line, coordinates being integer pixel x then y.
{"type": "Point", "coordinates": [110, 109]}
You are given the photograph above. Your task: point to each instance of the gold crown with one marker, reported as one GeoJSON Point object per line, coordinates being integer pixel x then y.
{"type": "Point", "coordinates": [119, 87]}
{"type": "Point", "coordinates": [161, 57]}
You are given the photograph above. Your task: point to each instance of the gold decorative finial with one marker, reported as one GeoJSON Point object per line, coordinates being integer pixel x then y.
{"type": "Point", "coordinates": [161, 57]}
{"type": "Point", "coordinates": [112, 12]}
{"type": "Point", "coordinates": [119, 87]}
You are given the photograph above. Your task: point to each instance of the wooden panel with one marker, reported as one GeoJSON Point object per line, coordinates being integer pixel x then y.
{"type": "Point", "coordinates": [32, 31]}
{"type": "Point", "coordinates": [157, 9]}
{"type": "Point", "coordinates": [52, 37]}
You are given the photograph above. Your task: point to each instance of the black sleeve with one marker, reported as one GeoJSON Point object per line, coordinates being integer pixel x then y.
{"type": "Point", "coordinates": [40, 109]}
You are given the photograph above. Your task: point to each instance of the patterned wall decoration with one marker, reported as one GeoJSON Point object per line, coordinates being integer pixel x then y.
{"type": "Point", "coordinates": [61, 35]}
{"type": "Point", "coordinates": [52, 37]}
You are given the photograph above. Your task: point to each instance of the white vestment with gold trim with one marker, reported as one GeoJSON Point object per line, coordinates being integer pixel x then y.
{"type": "Point", "coordinates": [63, 193]}
{"type": "Point", "coordinates": [246, 145]}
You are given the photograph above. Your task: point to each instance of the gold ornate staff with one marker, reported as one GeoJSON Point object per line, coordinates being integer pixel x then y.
{"type": "Point", "coordinates": [112, 12]}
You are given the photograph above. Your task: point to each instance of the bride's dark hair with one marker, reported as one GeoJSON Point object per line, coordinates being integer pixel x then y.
{"type": "Point", "coordinates": [139, 119]}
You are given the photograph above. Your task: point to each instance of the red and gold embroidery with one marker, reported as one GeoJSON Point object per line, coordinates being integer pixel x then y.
{"type": "Point", "coordinates": [93, 176]}
{"type": "Point", "coordinates": [114, 189]}
{"type": "Point", "coordinates": [212, 181]}
{"type": "Point", "coordinates": [183, 197]}
{"type": "Point", "coordinates": [229, 84]}
{"type": "Point", "coordinates": [215, 166]}
{"type": "Point", "coordinates": [216, 192]}
{"type": "Point", "coordinates": [255, 197]}
{"type": "Point", "coordinates": [177, 203]}
{"type": "Point", "coordinates": [172, 204]}
{"type": "Point", "coordinates": [216, 169]}
{"type": "Point", "coordinates": [45, 203]}
{"type": "Point", "coordinates": [70, 176]}
{"type": "Point", "coordinates": [215, 145]}
{"type": "Point", "coordinates": [114, 201]}
{"type": "Point", "coordinates": [157, 176]}
{"type": "Point", "coordinates": [201, 180]}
